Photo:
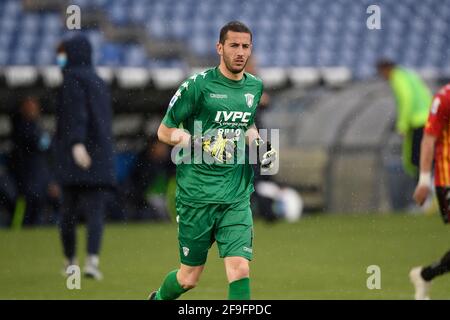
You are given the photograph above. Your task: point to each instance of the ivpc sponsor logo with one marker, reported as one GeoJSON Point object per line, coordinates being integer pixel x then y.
{"type": "Point", "coordinates": [232, 117]}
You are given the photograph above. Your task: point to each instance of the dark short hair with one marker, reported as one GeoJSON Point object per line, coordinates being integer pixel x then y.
{"type": "Point", "coordinates": [235, 26]}
{"type": "Point", "coordinates": [385, 63]}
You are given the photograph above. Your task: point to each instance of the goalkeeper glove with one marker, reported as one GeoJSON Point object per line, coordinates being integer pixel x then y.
{"type": "Point", "coordinates": [219, 147]}
{"type": "Point", "coordinates": [269, 157]}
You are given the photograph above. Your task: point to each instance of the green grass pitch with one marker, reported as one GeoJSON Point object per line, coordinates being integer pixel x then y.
{"type": "Point", "coordinates": [320, 257]}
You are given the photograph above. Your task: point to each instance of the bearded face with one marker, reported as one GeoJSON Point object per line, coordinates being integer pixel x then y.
{"type": "Point", "coordinates": [235, 51]}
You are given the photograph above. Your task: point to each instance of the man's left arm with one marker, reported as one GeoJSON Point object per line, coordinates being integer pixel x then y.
{"type": "Point", "coordinates": [251, 134]}
{"type": "Point", "coordinates": [253, 139]}
{"type": "Point", "coordinates": [75, 105]}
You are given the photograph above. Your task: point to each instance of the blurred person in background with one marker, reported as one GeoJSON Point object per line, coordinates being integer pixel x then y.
{"type": "Point", "coordinates": [435, 147]}
{"type": "Point", "coordinates": [264, 206]}
{"type": "Point", "coordinates": [271, 200]}
{"type": "Point", "coordinates": [30, 161]}
{"type": "Point", "coordinates": [8, 194]}
{"type": "Point", "coordinates": [413, 99]}
{"type": "Point", "coordinates": [146, 187]}
{"type": "Point", "coordinates": [84, 150]}
{"type": "Point", "coordinates": [264, 103]}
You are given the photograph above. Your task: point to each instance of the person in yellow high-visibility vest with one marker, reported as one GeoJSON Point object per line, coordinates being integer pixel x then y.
{"type": "Point", "coordinates": [413, 100]}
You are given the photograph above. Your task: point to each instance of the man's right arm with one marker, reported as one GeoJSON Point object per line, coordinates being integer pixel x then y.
{"type": "Point", "coordinates": [427, 153]}
{"type": "Point", "coordinates": [173, 136]}
{"type": "Point", "coordinates": [437, 121]}
{"type": "Point", "coordinates": [180, 108]}
{"type": "Point", "coordinates": [426, 163]}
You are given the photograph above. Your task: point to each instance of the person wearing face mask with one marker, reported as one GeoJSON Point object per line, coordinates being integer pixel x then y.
{"type": "Point", "coordinates": [84, 150]}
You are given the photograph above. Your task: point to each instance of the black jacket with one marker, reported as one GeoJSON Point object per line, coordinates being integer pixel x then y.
{"type": "Point", "coordinates": [29, 161]}
{"type": "Point", "coordinates": [84, 115]}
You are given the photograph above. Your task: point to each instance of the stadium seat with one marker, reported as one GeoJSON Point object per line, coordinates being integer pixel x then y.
{"type": "Point", "coordinates": [111, 54]}
{"type": "Point", "coordinates": [307, 39]}
{"type": "Point", "coordinates": [134, 56]}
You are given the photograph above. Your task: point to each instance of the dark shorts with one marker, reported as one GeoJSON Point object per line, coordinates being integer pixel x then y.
{"type": "Point", "coordinates": [443, 196]}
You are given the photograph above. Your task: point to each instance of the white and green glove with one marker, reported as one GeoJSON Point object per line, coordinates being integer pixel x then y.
{"type": "Point", "coordinates": [270, 155]}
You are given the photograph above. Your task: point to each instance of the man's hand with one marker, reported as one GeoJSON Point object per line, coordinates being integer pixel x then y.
{"type": "Point", "coordinates": [421, 194]}
{"type": "Point", "coordinates": [219, 147]}
{"type": "Point", "coordinates": [423, 188]}
{"type": "Point", "coordinates": [81, 156]}
{"type": "Point", "coordinates": [269, 157]}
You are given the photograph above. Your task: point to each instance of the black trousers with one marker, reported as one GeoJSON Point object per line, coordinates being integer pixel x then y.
{"type": "Point", "coordinates": [443, 196]}
{"type": "Point", "coordinates": [91, 202]}
{"type": "Point", "coordinates": [416, 142]}
{"type": "Point", "coordinates": [442, 266]}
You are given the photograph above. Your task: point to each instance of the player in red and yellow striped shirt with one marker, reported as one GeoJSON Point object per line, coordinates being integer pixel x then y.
{"type": "Point", "coordinates": [435, 146]}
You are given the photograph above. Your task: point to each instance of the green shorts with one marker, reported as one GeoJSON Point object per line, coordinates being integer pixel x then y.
{"type": "Point", "coordinates": [199, 225]}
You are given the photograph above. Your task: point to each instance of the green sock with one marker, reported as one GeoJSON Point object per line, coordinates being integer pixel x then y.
{"type": "Point", "coordinates": [239, 289]}
{"type": "Point", "coordinates": [170, 289]}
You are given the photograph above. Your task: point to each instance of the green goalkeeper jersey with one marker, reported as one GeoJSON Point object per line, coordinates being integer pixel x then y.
{"type": "Point", "coordinates": [210, 102]}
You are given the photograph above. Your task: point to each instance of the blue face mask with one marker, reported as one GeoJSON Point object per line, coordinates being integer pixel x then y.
{"type": "Point", "coordinates": [61, 60]}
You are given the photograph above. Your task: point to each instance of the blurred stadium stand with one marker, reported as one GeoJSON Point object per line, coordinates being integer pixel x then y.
{"type": "Point", "coordinates": [316, 59]}
{"type": "Point", "coordinates": [288, 33]}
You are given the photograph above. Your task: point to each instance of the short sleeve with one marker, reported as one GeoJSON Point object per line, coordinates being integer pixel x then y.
{"type": "Point", "coordinates": [181, 105]}
{"type": "Point", "coordinates": [258, 99]}
{"type": "Point", "coordinates": [439, 115]}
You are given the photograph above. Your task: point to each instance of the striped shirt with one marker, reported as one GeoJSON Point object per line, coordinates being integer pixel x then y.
{"type": "Point", "coordinates": [438, 125]}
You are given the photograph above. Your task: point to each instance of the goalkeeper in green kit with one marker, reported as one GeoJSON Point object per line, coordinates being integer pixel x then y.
{"type": "Point", "coordinates": [211, 116]}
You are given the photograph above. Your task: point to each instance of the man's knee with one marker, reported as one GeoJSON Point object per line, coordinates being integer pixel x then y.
{"type": "Point", "coordinates": [188, 277]}
{"type": "Point", "coordinates": [241, 271]}
{"type": "Point", "coordinates": [238, 269]}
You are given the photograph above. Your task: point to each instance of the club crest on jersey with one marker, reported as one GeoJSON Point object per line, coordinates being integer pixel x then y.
{"type": "Point", "coordinates": [249, 99]}
{"type": "Point", "coordinates": [185, 251]}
